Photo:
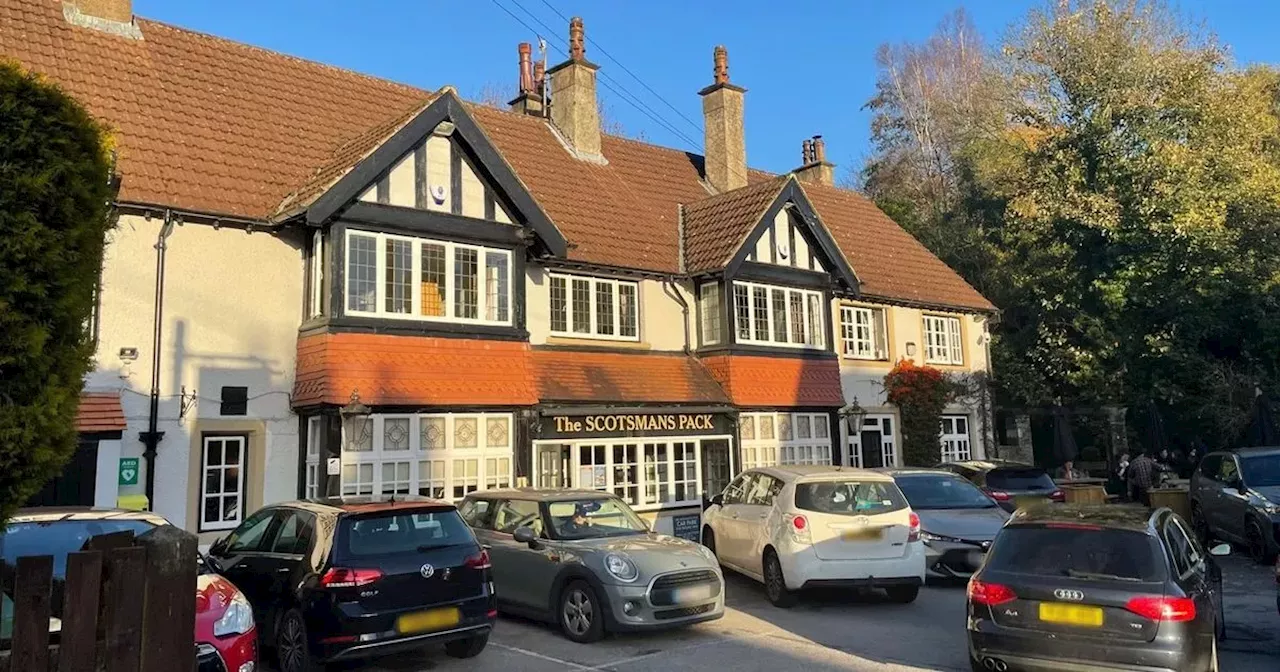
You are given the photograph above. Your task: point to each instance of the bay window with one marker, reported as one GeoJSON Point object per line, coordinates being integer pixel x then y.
{"type": "Point", "coordinates": [583, 307]}
{"type": "Point", "coordinates": [645, 473]}
{"type": "Point", "coordinates": [862, 333]}
{"type": "Point", "coordinates": [942, 340]}
{"type": "Point", "coordinates": [768, 315]}
{"type": "Point", "coordinates": [784, 438]}
{"type": "Point", "coordinates": [404, 277]}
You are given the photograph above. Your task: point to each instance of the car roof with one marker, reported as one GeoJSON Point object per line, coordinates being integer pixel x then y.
{"type": "Point", "coordinates": [541, 495]}
{"type": "Point", "coordinates": [792, 472]}
{"type": "Point", "coordinates": [48, 514]}
{"type": "Point", "coordinates": [915, 471]}
{"type": "Point", "coordinates": [988, 465]}
{"type": "Point", "coordinates": [363, 503]}
{"type": "Point", "coordinates": [1251, 450]}
{"type": "Point", "coordinates": [1135, 518]}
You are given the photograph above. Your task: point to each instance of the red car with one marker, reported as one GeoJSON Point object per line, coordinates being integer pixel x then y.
{"type": "Point", "coordinates": [226, 640]}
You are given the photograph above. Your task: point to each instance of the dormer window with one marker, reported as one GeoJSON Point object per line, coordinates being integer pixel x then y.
{"type": "Point", "coordinates": [778, 316]}
{"type": "Point", "coordinates": [411, 278]}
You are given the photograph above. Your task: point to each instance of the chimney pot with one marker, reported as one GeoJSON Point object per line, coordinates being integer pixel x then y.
{"type": "Point", "coordinates": [526, 67]}
{"type": "Point", "coordinates": [539, 77]}
{"type": "Point", "coordinates": [819, 149]}
{"type": "Point", "coordinates": [577, 36]}
{"type": "Point", "coordinates": [721, 73]}
{"type": "Point", "coordinates": [806, 152]}
{"type": "Point", "coordinates": [815, 169]}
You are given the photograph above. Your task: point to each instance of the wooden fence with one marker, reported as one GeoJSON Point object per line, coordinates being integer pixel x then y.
{"type": "Point", "coordinates": [125, 608]}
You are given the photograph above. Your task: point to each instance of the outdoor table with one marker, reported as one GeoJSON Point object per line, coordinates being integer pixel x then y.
{"type": "Point", "coordinates": [1175, 498]}
{"type": "Point", "coordinates": [1083, 491]}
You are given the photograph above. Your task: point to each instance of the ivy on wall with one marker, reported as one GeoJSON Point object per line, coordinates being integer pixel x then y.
{"type": "Point", "coordinates": [921, 393]}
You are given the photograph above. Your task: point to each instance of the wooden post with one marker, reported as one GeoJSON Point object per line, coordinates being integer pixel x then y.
{"type": "Point", "coordinates": [168, 615]}
{"type": "Point", "coordinates": [31, 611]}
{"type": "Point", "coordinates": [77, 651]}
{"type": "Point", "coordinates": [122, 593]}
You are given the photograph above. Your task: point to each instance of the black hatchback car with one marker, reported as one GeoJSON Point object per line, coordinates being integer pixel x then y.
{"type": "Point", "coordinates": [1096, 588]}
{"type": "Point", "coordinates": [344, 579]}
{"type": "Point", "coordinates": [1006, 481]}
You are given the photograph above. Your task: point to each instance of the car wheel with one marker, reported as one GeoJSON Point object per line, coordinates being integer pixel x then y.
{"type": "Point", "coordinates": [292, 651]}
{"type": "Point", "coordinates": [467, 648]}
{"type": "Point", "coordinates": [902, 594]}
{"type": "Point", "coordinates": [1257, 544]}
{"type": "Point", "coordinates": [709, 539]}
{"type": "Point", "coordinates": [775, 585]}
{"type": "Point", "coordinates": [1200, 525]}
{"type": "Point", "coordinates": [581, 615]}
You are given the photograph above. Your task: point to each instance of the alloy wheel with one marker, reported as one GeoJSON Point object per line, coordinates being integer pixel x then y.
{"type": "Point", "coordinates": [578, 612]}
{"type": "Point", "coordinates": [773, 582]}
{"type": "Point", "coordinates": [1257, 546]}
{"type": "Point", "coordinates": [291, 645]}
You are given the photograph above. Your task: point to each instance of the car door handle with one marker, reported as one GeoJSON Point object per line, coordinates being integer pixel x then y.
{"type": "Point", "coordinates": [282, 570]}
{"type": "Point", "coordinates": [763, 516]}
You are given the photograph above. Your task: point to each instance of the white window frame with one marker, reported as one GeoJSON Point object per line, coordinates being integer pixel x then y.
{"type": "Point", "coordinates": [808, 330]}
{"type": "Point", "coordinates": [874, 347]}
{"type": "Point", "coordinates": [317, 274]}
{"type": "Point", "coordinates": [642, 501]}
{"type": "Point", "coordinates": [888, 441]}
{"type": "Point", "coordinates": [415, 286]}
{"type": "Point", "coordinates": [595, 282]}
{"type": "Point", "coordinates": [711, 313]}
{"type": "Point", "coordinates": [314, 474]}
{"type": "Point", "coordinates": [223, 523]}
{"type": "Point", "coordinates": [943, 340]}
{"type": "Point", "coordinates": [494, 459]}
{"type": "Point", "coordinates": [957, 445]}
{"type": "Point", "coordinates": [767, 449]}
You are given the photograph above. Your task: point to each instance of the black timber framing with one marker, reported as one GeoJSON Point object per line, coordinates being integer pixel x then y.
{"type": "Point", "coordinates": [393, 219]}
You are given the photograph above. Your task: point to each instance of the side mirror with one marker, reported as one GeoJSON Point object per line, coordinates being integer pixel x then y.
{"type": "Point", "coordinates": [524, 534]}
{"type": "Point", "coordinates": [1220, 550]}
{"type": "Point", "coordinates": [718, 499]}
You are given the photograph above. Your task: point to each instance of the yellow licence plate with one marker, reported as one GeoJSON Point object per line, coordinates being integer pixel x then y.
{"type": "Point", "coordinates": [863, 534]}
{"type": "Point", "coordinates": [1071, 614]}
{"type": "Point", "coordinates": [426, 621]}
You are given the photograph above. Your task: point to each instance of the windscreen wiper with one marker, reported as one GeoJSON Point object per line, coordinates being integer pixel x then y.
{"type": "Point", "coordinates": [1078, 574]}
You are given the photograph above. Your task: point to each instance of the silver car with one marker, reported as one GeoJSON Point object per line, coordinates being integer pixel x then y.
{"type": "Point", "coordinates": [584, 560]}
{"type": "Point", "coordinates": [958, 521]}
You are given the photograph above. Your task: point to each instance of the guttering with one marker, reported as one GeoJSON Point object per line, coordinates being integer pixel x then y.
{"type": "Point", "coordinates": [203, 216]}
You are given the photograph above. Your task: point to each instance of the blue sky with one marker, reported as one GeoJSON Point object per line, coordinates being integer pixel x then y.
{"type": "Point", "coordinates": [808, 66]}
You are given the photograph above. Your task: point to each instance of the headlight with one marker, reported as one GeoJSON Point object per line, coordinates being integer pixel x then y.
{"type": "Point", "coordinates": [237, 620]}
{"type": "Point", "coordinates": [706, 553]}
{"type": "Point", "coordinates": [621, 568]}
{"type": "Point", "coordinates": [1270, 507]}
{"type": "Point", "coordinates": [929, 536]}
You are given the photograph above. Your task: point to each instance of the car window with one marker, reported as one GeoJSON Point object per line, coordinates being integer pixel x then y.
{"type": "Point", "coordinates": [1019, 478]}
{"type": "Point", "coordinates": [477, 512]}
{"type": "Point", "coordinates": [294, 537]}
{"type": "Point", "coordinates": [395, 532]}
{"type": "Point", "coordinates": [1210, 465]}
{"type": "Point", "coordinates": [942, 491]}
{"type": "Point", "coordinates": [763, 489]}
{"type": "Point", "coordinates": [1079, 551]}
{"type": "Point", "coordinates": [862, 498]}
{"type": "Point", "coordinates": [737, 491]}
{"type": "Point", "coordinates": [1261, 471]}
{"type": "Point", "coordinates": [514, 513]}
{"type": "Point", "coordinates": [594, 517]}
{"type": "Point", "coordinates": [252, 534]}
{"type": "Point", "coordinates": [60, 538]}
{"type": "Point", "coordinates": [1228, 472]}
{"type": "Point", "coordinates": [1184, 556]}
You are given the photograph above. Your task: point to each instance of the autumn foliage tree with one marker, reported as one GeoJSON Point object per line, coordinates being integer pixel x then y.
{"type": "Point", "coordinates": [55, 195]}
{"type": "Point", "coordinates": [921, 393]}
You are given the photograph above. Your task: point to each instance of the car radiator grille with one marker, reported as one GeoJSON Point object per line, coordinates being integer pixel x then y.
{"type": "Point", "coordinates": [665, 587]}
{"type": "Point", "coordinates": [668, 614]}
{"type": "Point", "coordinates": [208, 659]}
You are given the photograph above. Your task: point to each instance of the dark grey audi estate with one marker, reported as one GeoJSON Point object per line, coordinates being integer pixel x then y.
{"type": "Point", "coordinates": [1103, 587]}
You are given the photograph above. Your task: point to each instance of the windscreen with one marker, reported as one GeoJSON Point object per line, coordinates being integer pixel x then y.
{"type": "Point", "coordinates": [1098, 553]}
{"type": "Point", "coordinates": [1014, 478]}
{"type": "Point", "coordinates": [391, 532]}
{"type": "Point", "coordinates": [591, 518]}
{"type": "Point", "coordinates": [850, 498]}
{"type": "Point", "coordinates": [1261, 471]}
{"type": "Point", "coordinates": [942, 491]}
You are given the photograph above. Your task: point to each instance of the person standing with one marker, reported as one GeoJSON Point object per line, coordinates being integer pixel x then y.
{"type": "Point", "coordinates": [1142, 474]}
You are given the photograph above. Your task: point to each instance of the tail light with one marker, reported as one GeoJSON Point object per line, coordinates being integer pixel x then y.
{"type": "Point", "coordinates": [990, 594]}
{"type": "Point", "coordinates": [799, 527]}
{"type": "Point", "coordinates": [913, 529]}
{"type": "Point", "coordinates": [1058, 496]}
{"type": "Point", "coordinates": [478, 561]}
{"type": "Point", "coordinates": [999, 496]}
{"type": "Point", "coordinates": [342, 577]}
{"type": "Point", "coordinates": [1171, 609]}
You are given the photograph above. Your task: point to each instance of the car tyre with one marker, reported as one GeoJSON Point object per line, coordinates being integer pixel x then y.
{"type": "Point", "coordinates": [1257, 544]}
{"type": "Point", "coordinates": [902, 594]}
{"type": "Point", "coordinates": [467, 648]}
{"type": "Point", "coordinates": [775, 584]}
{"type": "Point", "coordinates": [709, 540]}
{"type": "Point", "coordinates": [1200, 526]}
{"type": "Point", "coordinates": [293, 653]}
{"type": "Point", "coordinates": [581, 613]}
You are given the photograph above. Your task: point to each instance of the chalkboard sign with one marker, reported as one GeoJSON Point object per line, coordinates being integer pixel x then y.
{"type": "Point", "coordinates": [688, 526]}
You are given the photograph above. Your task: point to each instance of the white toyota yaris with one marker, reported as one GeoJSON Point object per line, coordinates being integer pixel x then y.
{"type": "Point", "coordinates": [799, 527]}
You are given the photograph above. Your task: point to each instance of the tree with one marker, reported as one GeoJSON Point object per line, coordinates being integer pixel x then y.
{"type": "Point", "coordinates": [55, 195]}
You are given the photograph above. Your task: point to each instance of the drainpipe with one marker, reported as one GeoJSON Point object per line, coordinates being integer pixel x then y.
{"type": "Point", "coordinates": [151, 438]}
{"type": "Point", "coordinates": [670, 281]}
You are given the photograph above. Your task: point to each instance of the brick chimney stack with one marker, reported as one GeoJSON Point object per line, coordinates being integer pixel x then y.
{"type": "Point", "coordinates": [816, 169]}
{"type": "Point", "coordinates": [529, 100]}
{"type": "Point", "coordinates": [109, 16]}
{"type": "Point", "coordinates": [723, 134]}
{"type": "Point", "coordinates": [574, 110]}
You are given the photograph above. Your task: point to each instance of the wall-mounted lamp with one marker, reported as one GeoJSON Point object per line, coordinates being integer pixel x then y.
{"type": "Point", "coordinates": [355, 419]}
{"type": "Point", "coordinates": [911, 349]}
{"type": "Point", "coordinates": [854, 415]}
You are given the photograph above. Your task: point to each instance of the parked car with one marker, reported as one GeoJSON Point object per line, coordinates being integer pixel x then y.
{"type": "Point", "coordinates": [799, 527]}
{"type": "Point", "coordinates": [1235, 497]}
{"type": "Point", "coordinates": [350, 579]}
{"type": "Point", "coordinates": [1096, 587]}
{"type": "Point", "coordinates": [226, 639]}
{"type": "Point", "coordinates": [584, 560]}
{"type": "Point", "coordinates": [958, 521]}
{"type": "Point", "coordinates": [1006, 481]}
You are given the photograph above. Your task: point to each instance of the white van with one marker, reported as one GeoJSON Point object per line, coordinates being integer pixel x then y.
{"type": "Point", "coordinates": [799, 527]}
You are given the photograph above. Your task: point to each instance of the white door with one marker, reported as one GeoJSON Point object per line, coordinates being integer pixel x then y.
{"type": "Point", "coordinates": [728, 525]}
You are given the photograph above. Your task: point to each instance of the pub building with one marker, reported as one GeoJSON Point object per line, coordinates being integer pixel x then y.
{"type": "Point", "coordinates": [389, 291]}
